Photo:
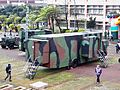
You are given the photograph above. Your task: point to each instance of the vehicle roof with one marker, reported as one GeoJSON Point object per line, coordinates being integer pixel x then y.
{"type": "Point", "coordinates": [67, 34]}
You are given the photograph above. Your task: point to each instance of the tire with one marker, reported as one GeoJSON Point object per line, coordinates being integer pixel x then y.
{"type": "Point", "coordinates": [11, 46]}
{"type": "Point", "coordinates": [74, 63]}
{"type": "Point", "coordinates": [119, 60]}
{"type": "Point", "coordinates": [3, 46]}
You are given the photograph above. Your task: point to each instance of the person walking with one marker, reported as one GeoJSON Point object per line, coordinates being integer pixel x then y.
{"type": "Point", "coordinates": [117, 47]}
{"type": "Point", "coordinates": [8, 72]}
{"type": "Point", "coordinates": [98, 72]}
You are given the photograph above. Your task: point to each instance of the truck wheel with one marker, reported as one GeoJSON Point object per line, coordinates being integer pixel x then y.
{"type": "Point", "coordinates": [74, 63]}
{"type": "Point", "coordinates": [3, 46]}
{"type": "Point", "coordinates": [119, 60]}
{"type": "Point", "coordinates": [11, 46]}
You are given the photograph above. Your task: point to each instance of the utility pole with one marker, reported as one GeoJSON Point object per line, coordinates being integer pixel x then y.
{"type": "Point", "coordinates": [27, 22]}
{"type": "Point", "coordinates": [85, 15]}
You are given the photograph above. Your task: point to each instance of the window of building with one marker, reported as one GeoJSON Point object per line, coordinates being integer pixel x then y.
{"type": "Point", "coordinates": [81, 11]}
{"type": "Point", "coordinates": [95, 11]}
{"type": "Point", "coordinates": [90, 6]}
{"type": "Point", "coordinates": [100, 11]}
{"type": "Point", "coordinates": [89, 11]}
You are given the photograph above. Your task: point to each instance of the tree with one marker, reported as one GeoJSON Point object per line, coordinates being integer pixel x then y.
{"type": "Point", "coordinates": [2, 18]}
{"type": "Point", "coordinates": [49, 14]}
{"type": "Point", "coordinates": [2, 21]}
{"type": "Point", "coordinates": [91, 23]}
{"type": "Point", "coordinates": [17, 19]}
{"type": "Point", "coordinates": [32, 17]}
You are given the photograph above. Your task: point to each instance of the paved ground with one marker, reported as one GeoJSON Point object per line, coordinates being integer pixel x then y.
{"type": "Point", "coordinates": [13, 54]}
{"type": "Point", "coordinates": [111, 74]}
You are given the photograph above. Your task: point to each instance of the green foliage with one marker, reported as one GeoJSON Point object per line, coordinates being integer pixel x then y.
{"type": "Point", "coordinates": [8, 20]}
{"type": "Point", "coordinates": [47, 12]}
{"type": "Point", "coordinates": [81, 30]}
{"type": "Point", "coordinates": [3, 18]}
{"type": "Point", "coordinates": [11, 26]}
{"type": "Point", "coordinates": [91, 23]}
{"type": "Point", "coordinates": [68, 31]}
{"type": "Point", "coordinates": [17, 19]}
{"type": "Point", "coordinates": [30, 27]}
{"type": "Point", "coordinates": [23, 20]}
{"type": "Point", "coordinates": [18, 27]}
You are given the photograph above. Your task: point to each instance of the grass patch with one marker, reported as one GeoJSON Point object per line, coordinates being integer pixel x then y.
{"type": "Point", "coordinates": [50, 76]}
{"type": "Point", "coordinates": [75, 84]}
{"type": "Point", "coordinates": [58, 78]}
{"type": "Point", "coordinates": [113, 60]}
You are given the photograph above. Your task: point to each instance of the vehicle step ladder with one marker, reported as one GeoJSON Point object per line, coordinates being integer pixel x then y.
{"type": "Point", "coordinates": [32, 69]}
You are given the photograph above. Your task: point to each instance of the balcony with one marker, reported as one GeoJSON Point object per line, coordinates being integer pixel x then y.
{"type": "Point", "coordinates": [3, 1]}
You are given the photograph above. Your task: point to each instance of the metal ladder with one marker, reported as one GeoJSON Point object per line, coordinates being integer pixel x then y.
{"type": "Point", "coordinates": [103, 59]}
{"type": "Point", "coordinates": [27, 64]}
{"type": "Point", "coordinates": [31, 70]}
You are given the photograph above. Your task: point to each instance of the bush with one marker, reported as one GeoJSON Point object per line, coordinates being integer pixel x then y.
{"type": "Point", "coordinates": [68, 31]}
{"type": "Point", "coordinates": [81, 30]}
{"type": "Point", "coordinates": [18, 27]}
{"type": "Point", "coordinates": [11, 26]}
{"type": "Point", "coordinates": [75, 31]}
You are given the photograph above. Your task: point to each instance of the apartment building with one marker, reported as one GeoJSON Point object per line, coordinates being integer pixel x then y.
{"type": "Point", "coordinates": [84, 9]}
{"type": "Point", "coordinates": [20, 2]}
{"type": "Point", "coordinates": [79, 10]}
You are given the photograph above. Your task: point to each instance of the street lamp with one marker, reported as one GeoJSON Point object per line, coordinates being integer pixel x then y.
{"type": "Point", "coordinates": [27, 23]}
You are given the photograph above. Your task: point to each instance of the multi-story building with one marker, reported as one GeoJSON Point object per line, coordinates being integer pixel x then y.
{"type": "Point", "coordinates": [19, 2]}
{"type": "Point", "coordinates": [84, 9]}
{"type": "Point", "coordinates": [79, 10]}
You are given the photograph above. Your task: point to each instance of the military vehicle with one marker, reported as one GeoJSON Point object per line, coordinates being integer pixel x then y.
{"type": "Point", "coordinates": [22, 41]}
{"type": "Point", "coordinates": [65, 49]}
{"type": "Point", "coordinates": [10, 41]}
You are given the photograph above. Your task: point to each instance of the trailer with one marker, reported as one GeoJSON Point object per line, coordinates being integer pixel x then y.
{"type": "Point", "coordinates": [30, 34]}
{"type": "Point", "coordinates": [65, 49]}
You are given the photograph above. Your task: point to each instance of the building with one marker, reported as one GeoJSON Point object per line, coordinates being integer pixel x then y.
{"type": "Point", "coordinates": [79, 10]}
{"type": "Point", "coordinates": [20, 2]}
{"type": "Point", "coordinates": [84, 9]}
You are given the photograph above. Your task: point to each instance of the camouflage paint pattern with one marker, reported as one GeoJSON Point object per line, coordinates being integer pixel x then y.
{"type": "Point", "coordinates": [61, 50]}
{"type": "Point", "coordinates": [30, 34]}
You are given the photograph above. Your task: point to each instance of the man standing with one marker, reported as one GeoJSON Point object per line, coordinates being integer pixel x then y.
{"type": "Point", "coordinates": [8, 72]}
{"type": "Point", "coordinates": [98, 72]}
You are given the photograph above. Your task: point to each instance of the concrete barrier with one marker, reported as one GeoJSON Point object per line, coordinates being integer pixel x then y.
{"type": "Point", "coordinates": [6, 87]}
{"type": "Point", "coordinates": [20, 88]}
{"type": "Point", "coordinates": [38, 85]}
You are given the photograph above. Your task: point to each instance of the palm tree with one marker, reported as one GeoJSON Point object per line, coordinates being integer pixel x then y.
{"type": "Point", "coordinates": [91, 23]}
{"type": "Point", "coordinates": [49, 14]}
{"type": "Point", "coordinates": [2, 18]}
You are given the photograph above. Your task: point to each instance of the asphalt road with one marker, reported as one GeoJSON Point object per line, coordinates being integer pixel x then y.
{"type": "Point", "coordinates": [12, 54]}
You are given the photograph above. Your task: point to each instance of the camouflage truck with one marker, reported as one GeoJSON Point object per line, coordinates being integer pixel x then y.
{"type": "Point", "coordinates": [66, 49]}
{"type": "Point", "coordinates": [30, 34]}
